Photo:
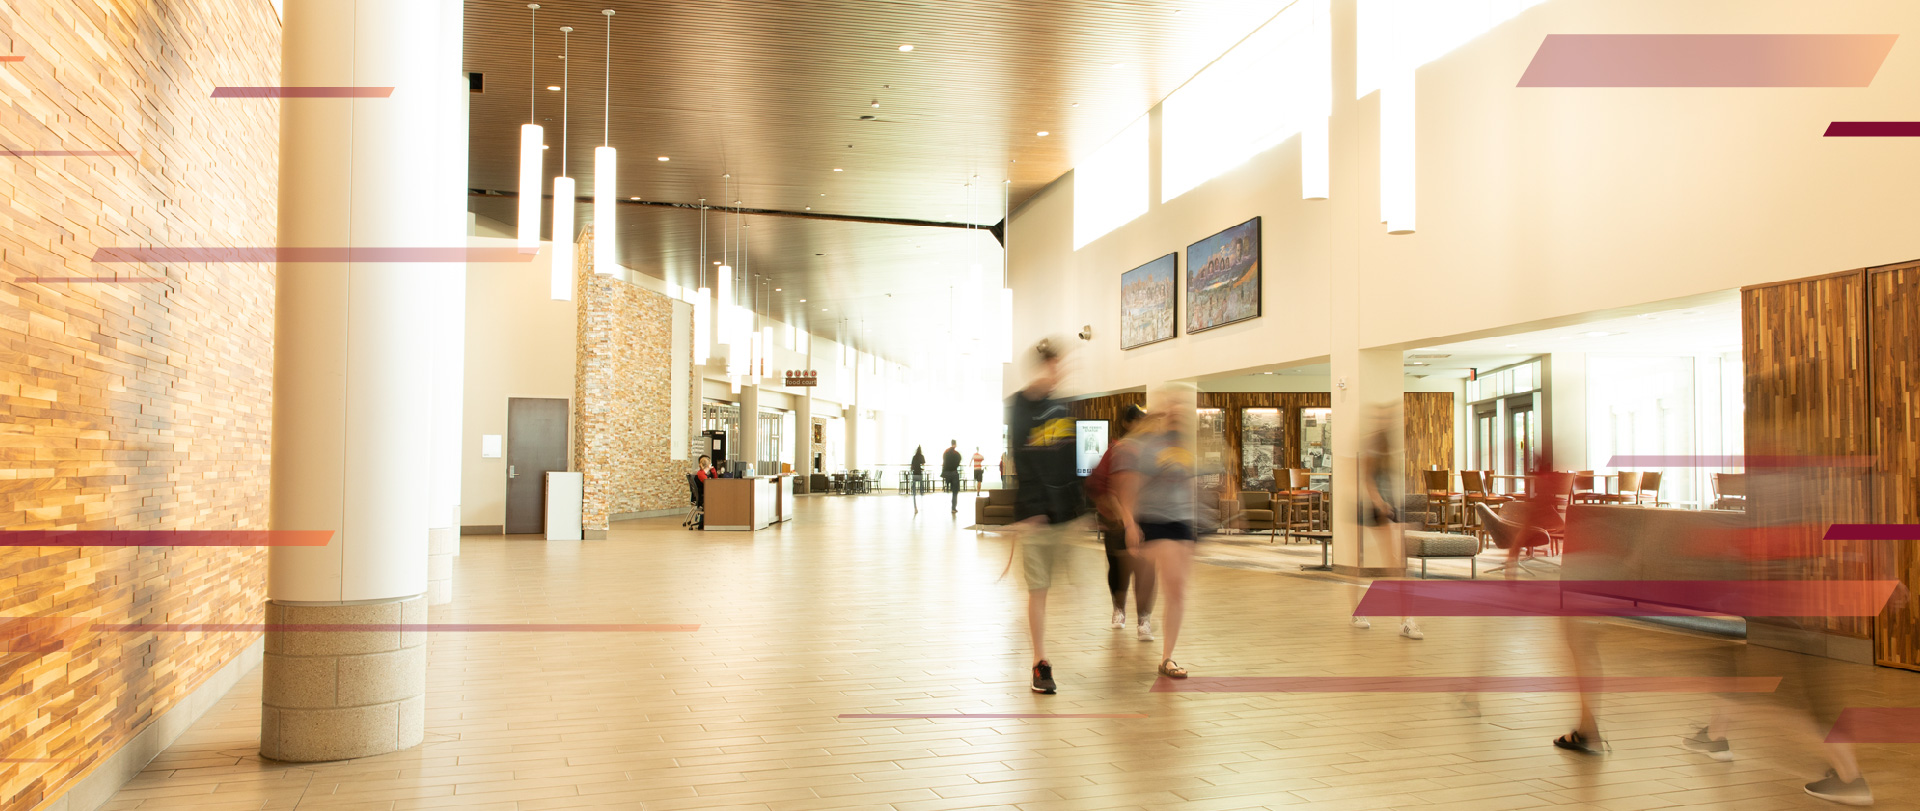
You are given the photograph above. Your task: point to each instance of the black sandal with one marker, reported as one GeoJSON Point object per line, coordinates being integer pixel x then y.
{"type": "Point", "coordinates": [1576, 742]}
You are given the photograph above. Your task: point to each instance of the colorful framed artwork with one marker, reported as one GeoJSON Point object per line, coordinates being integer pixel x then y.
{"type": "Point", "coordinates": [1223, 278]}
{"type": "Point", "coordinates": [1146, 302]}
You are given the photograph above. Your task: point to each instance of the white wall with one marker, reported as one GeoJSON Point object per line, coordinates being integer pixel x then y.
{"type": "Point", "coordinates": [520, 343]}
{"type": "Point", "coordinates": [1533, 203]}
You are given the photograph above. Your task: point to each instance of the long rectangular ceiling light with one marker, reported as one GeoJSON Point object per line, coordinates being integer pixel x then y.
{"type": "Point", "coordinates": [603, 206]}
{"type": "Point", "coordinates": [562, 281]}
{"type": "Point", "coordinates": [530, 191]}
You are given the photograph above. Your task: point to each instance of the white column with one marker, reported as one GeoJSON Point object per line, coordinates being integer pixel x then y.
{"type": "Point", "coordinates": [352, 434]}
{"type": "Point", "coordinates": [803, 439]}
{"type": "Point", "coordinates": [749, 437]}
{"type": "Point", "coordinates": [450, 312]}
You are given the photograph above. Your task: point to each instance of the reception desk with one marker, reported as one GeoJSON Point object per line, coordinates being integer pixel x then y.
{"type": "Point", "coordinates": [747, 504]}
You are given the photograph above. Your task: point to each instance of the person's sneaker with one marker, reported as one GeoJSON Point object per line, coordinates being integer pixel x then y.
{"type": "Point", "coordinates": [1716, 749]}
{"type": "Point", "coordinates": [1043, 678]}
{"type": "Point", "coordinates": [1833, 789]}
{"type": "Point", "coordinates": [1412, 631]}
{"type": "Point", "coordinates": [1119, 620]}
{"type": "Point", "coordinates": [1146, 629]}
{"type": "Point", "coordinates": [1362, 623]}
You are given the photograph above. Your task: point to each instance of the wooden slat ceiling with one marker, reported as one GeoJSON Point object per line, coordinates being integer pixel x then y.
{"type": "Point", "coordinates": [772, 91]}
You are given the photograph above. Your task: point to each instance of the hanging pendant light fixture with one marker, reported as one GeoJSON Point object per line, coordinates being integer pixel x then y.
{"type": "Point", "coordinates": [530, 152]}
{"type": "Point", "coordinates": [1006, 290]}
{"type": "Point", "coordinates": [703, 301]}
{"type": "Point", "coordinates": [562, 281]}
{"type": "Point", "coordinates": [603, 173]}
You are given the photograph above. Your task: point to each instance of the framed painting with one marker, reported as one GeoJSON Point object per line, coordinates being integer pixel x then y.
{"type": "Point", "coordinates": [1223, 278]}
{"type": "Point", "coordinates": [1146, 303]}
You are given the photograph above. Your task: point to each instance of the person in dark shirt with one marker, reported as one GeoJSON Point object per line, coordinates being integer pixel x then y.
{"type": "Point", "coordinates": [1047, 494]}
{"type": "Point", "coordinates": [950, 472]}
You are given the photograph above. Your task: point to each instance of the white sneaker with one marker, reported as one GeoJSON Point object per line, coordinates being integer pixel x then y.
{"type": "Point", "coordinates": [1119, 620]}
{"type": "Point", "coordinates": [1362, 623]}
{"type": "Point", "coordinates": [1412, 631]}
{"type": "Point", "coordinates": [1146, 629]}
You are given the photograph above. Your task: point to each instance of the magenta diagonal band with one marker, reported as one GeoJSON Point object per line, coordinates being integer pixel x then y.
{"type": "Point", "coordinates": [165, 537]}
{"type": "Point", "coordinates": [1876, 725]}
{"type": "Point", "coordinates": [290, 92]}
{"type": "Point", "coordinates": [88, 279]}
{"type": "Point", "coordinates": [1873, 129]}
{"type": "Point", "coordinates": [1757, 461]}
{"type": "Point", "coordinates": [1625, 598]}
{"type": "Point", "coordinates": [1707, 60]}
{"type": "Point", "coordinates": [283, 255]}
{"type": "Point", "coordinates": [1873, 532]}
{"type": "Point", "coordinates": [993, 715]}
{"type": "Point", "coordinates": [378, 627]}
{"type": "Point", "coordinates": [1467, 684]}
{"type": "Point", "coordinates": [69, 153]}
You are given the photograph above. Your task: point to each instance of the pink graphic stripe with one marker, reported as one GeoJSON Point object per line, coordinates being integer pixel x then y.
{"type": "Point", "coordinates": [1873, 129]}
{"type": "Point", "coordinates": [1690, 460]}
{"type": "Point", "coordinates": [469, 627]}
{"type": "Point", "coordinates": [165, 537]}
{"type": "Point", "coordinates": [70, 153]}
{"type": "Point", "coordinates": [109, 255]}
{"type": "Point", "coordinates": [1876, 725]}
{"type": "Point", "coordinates": [1707, 60]}
{"type": "Point", "coordinates": [1873, 532]}
{"type": "Point", "coordinates": [993, 715]}
{"type": "Point", "coordinates": [1625, 598]}
{"type": "Point", "coordinates": [1467, 684]}
{"type": "Point", "coordinates": [287, 92]}
{"type": "Point", "coordinates": [89, 279]}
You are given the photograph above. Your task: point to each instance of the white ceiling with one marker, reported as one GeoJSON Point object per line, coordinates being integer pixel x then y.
{"type": "Point", "coordinates": [1707, 327]}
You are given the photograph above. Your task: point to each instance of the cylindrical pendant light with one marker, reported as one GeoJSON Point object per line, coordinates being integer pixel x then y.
{"type": "Point", "coordinates": [703, 301]}
{"type": "Point", "coordinates": [562, 278]}
{"type": "Point", "coordinates": [530, 158]}
{"type": "Point", "coordinates": [603, 175]}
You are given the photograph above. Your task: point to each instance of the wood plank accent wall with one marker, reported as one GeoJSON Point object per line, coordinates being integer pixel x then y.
{"type": "Point", "coordinates": [1805, 352]}
{"type": "Point", "coordinates": [1893, 295]}
{"type": "Point", "coordinates": [137, 405]}
{"type": "Point", "coordinates": [1429, 434]}
{"type": "Point", "coordinates": [1429, 437]}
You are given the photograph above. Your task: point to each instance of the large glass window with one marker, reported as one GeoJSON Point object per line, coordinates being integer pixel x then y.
{"type": "Point", "coordinates": [1211, 437]}
{"type": "Point", "coordinates": [1506, 434]}
{"type": "Point", "coordinates": [1644, 406]}
{"type": "Point", "coordinates": [716, 416]}
{"type": "Point", "coordinates": [1110, 185]}
{"type": "Point", "coordinates": [1316, 445]}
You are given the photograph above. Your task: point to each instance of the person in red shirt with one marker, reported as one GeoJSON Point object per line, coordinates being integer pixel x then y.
{"type": "Point", "coordinates": [1122, 566]}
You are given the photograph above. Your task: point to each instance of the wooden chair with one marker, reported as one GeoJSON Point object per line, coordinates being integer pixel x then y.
{"type": "Point", "coordinates": [1299, 504]}
{"type": "Point", "coordinates": [1475, 484]}
{"type": "Point", "coordinates": [1442, 500]}
{"type": "Point", "coordinates": [1586, 490]}
{"type": "Point", "coordinates": [1729, 491]}
{"type": "Point", "coordinates": [1647, 490]}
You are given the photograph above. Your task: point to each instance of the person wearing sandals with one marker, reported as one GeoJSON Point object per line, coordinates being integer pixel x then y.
{"type": "Point", "coordinates": [1158, 507]}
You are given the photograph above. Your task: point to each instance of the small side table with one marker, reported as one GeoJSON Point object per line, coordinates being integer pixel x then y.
{"type": "Point", "coordinates": [1325, 539]}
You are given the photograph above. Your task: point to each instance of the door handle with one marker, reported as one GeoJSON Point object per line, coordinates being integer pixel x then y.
{"type": "Point", "coordinates": [510, 473]}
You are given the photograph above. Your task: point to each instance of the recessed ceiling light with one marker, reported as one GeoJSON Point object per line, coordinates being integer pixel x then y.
{"type": "Point", "coordinates": [633, 198]}
{"type": "Point", "coordinates": [1042, 133]}
{"type": "Point", "coordinates": [874, 104]}
{"type": "Point", "coordinates": [716, 263]}
{"type": "Point", "coordinates": [778, 289]}
{"type": "Point", "coordinates": [663, 158]}
{"type": "Point", "coordinates": [809, 208]}
{"type": "Point", "coordinates": [803, 301]}
{"type": "Point", "coordinates": [905, 48]}
{"type": "Point", "coordinates": [823, 194]}
{"type": "Point", "coordinates": [1595, 334]}
{"type": "Point", "coordinates": [1510, 346]}
{"type": "Point", "coordinates": [1118, 65]}
{"type": "Point", "coordinates": [837, 169]}
{"type": "Point", "coordinates": [1075, 104]}
{"type": "Point", "coordinates": [553, 87]}
{"type": "Point", "coordinates": [543, 146]}
{"type": "Point", "coordinates": [823, 309]}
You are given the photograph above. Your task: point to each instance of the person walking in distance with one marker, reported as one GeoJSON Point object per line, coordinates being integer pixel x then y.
{"type": "Point", "coordinates": [950, 472]}
{"type": "Point", "coordinates": [1379, 517]}
{"type": "Point", "coordinates": [1159, 509]}
{"type": "Point", "coordinates": [1041, 431]}
{"type": "Point", "coordinates": [979, 469]}
{"type": "Point", "coordinates": [1122, 566]}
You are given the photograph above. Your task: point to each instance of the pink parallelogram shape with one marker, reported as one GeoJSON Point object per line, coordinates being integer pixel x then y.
{"type": "Point", "coordinates": [1468, 684]}
{"type": "Point", "coordinates": [164, 537]}
{"type": "Point", "coordinates": [1707, 60]}
{"type": "Point", "coordinates": [1876, 725]}
{"type": "Point", "coordinates": [1625, 598]}
{"type": "Point", "coordinates": [286, 92]}
{"type": "Point", "coordinates": [1873, 129]}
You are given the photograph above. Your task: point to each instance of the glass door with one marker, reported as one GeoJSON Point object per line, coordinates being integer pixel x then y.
{"type": "Point", "coordinates": [1522, 435]}
{"type": "Point", "coordinates": [1316, 446]}
{"type": "Point", "coordinates": [1486, 432]}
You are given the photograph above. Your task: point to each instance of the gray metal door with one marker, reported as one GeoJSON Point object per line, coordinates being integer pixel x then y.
{"type": "Point", "coordinates": [536, 443]}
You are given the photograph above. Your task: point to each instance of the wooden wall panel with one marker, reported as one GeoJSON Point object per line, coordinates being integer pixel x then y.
{"type": "Point", "coordinates": [130, 405]}
{"type": "Point", "coordinates": [1805, 347]}
{"type": "Point", "coordinates": [1429, 434]}
{"type": "Point", "coordinates": [1894, 307]}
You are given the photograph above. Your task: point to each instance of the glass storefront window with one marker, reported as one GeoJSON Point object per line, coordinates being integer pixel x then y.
{"type": "Point", "coordinates": [1316, 445]}
{"type": "Point", "coordinates": [1262, 447]}
{"type": "Point", "coordinates": [1211, 437]}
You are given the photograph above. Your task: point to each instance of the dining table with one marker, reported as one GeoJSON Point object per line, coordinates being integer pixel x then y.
{"type": "Point", "coordinates": [1516, 483]}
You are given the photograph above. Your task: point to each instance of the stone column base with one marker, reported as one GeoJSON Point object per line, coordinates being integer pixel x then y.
{"type": "Point", "coordinates": [442, 545]}
{"type": "Point", "coordinates": [333, 695]}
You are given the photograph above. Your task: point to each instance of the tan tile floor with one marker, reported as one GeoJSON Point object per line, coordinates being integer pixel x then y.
{"type": "Point", "coordinates": [859, 606]}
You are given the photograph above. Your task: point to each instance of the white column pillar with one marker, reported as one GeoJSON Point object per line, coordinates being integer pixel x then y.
{"type": "Point", "coordinates": [749, 437]}
{"type": "Point", "coordinates": [803, 442]}
{"type": "Point", "coordinates": [352, 380]}
{"type": "Point", "coordinates": [450, 311]}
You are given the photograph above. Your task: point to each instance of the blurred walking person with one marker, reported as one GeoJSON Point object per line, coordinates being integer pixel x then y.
{"type": "Point", "coordinates": [1123, 566]}
{"type": "Point", "coordinates": [950, 472]}
{"type": "Point", "coordinates": [1158, 507]}
{"type": "Point", "coordinates": [1380, 519]}
{"type": "Point", "coordinates": [1040, 428]}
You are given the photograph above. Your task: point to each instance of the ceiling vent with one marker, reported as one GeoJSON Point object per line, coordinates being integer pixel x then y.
{"type": "Point", "coordinates": [1429, 357]}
